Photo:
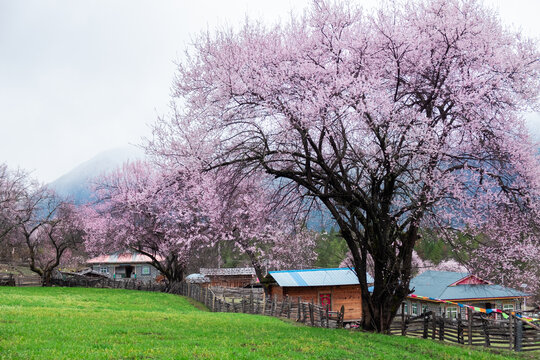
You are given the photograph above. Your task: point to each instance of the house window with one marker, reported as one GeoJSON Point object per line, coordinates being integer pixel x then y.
{"type": "Point", "coordinates": [104, 270]}
{"type": "Point", "coordinates": [414, 308]}
{"type": "Point", "coordinates": [325, 300]}
{"type": "Point", "coordinates": [405, 308]}
{"type": "Point", "coordinates": [508, 307]}
{"type": "Point", "coordinates": [145, 270]}
{"type": "Point", "coordinates": [451, 312]}
{"type": "Point", "coordinates": [425, 308]}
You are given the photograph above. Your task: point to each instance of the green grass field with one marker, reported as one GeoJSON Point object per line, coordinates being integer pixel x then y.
{"type": "Point", "coordinates": [78, 323]}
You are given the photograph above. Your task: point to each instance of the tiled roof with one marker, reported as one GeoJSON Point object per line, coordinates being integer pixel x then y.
{"type": "Point", "coordinates": [436, 284]}
{"type": "Point", "coordinates": [227, 271]}
{"type": "Point", "coordinates": [317, 277]}
{"type": "Point", "coordinates": [122, 258]}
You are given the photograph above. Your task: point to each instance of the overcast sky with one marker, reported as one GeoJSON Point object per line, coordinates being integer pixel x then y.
{"type": "Point", "coordinates": [81, 77]}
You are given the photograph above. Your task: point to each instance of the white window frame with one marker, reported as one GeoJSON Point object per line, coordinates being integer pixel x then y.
{"type": "Point", "coordinates": [145, 270]}
{"type": "Point", "coordinates": [425, 308]}
{"type": "Point", "coordinates": [104, 269]}
{"type": "Point", "coordinates": [414, 309]}
{"type": "Point", "coordinates": [451, 312]}
{"type": "Point", "coordinates": [508, 307]}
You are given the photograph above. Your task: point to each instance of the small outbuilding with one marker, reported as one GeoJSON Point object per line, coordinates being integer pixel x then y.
{"type": "Point", "coordinates": [230, 277]}
{"type": "Point", "coordinates": [124, 265]}
{"type": "Point", "coordinates": [326, 287]}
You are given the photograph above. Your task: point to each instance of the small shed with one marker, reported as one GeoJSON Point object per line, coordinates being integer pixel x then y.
{"type": "Point", "coordinates": [230, 277]}
{"type": "Point", "coordinates": [327, 287]}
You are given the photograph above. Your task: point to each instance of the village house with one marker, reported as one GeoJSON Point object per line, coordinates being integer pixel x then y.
{"type": "Point", "coordinates": [125, 265]}
{"type": "Point", "coordinates": [229, 277]}
{"type": "Point", "coordinates": [327, 287]}
{"type": "Point", "coordinates": [339, 287]}
{"type": "Point", "coordinates": [460, 287]}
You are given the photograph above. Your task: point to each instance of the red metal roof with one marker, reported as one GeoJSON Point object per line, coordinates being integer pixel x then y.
{"type": "Point", "coordinates": [123, 258]}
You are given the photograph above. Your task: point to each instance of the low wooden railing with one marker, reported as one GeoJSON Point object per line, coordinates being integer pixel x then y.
{"type": "Point", "coordinates": [476, 329]}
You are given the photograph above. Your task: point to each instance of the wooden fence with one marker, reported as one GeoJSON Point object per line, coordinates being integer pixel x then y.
{"type": "Point", "coordinates": [11, 280]}
{"type": "Point", "coordinates": [247, 301]}
{"type": "Point", "coordinates": [476, 329]}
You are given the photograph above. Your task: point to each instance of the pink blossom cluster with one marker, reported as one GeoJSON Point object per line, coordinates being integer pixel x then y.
{"type": "Point", "coordinates": [395, 119]}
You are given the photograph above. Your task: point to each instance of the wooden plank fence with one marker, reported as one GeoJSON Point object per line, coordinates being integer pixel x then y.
{"type": "Point", "coordinates": [19, 280]}
{"type": "Point", "coordinates": [476, 329]}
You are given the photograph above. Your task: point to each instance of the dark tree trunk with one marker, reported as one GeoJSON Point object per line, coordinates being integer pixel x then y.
{"type": "Point", "coordinates": [46, 277]}
{"type": "Point", "coordinates": [258, 271]}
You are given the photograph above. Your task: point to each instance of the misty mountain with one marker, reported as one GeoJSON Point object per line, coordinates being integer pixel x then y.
{"type": "Point", "coordinates": [77, 183]}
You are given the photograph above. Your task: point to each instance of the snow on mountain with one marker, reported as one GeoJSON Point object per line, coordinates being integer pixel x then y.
{"type": "Point", "coordinates": [77, 183]}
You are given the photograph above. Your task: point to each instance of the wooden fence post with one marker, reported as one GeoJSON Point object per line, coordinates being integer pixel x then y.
{"type": "Point", "coordinates": [288, 307]}
{"type": "Point", "coordinates": [441, 327]}
{"type": "Point", "coordinates": [510, 332]}
{"type": "Point", "coordinates": [486, 333]}
{"type": "Point", "coordinates": [311, 319]}
{"type": "Point", "coordinates": [519, 335]}
{"type": "Point", "coordinates": [433, 325]}
{"type": "Point", "coordinates": [327, 317]}
{"type": "Point", "coordinates": [460, 338]}
{"type": "Point", "coordinates": [469, 325]}
{"type": "Point", "coordinates": [299, 310]}
{"type": "Point", "coordinates": [426, 326]}
{"type": "Point", "coordinates": [403, 325]}
{"type": "Point", "coordinates": [321, 317]}
{"type": "Point", "coordinates": [342, 316]}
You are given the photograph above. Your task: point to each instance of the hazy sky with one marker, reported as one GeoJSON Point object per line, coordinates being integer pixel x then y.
{"type": "Point", "coordinates": [81, 77]}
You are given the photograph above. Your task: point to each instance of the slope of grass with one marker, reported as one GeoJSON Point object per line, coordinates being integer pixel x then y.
{"type": "Point", "coordinates": [78, 323]}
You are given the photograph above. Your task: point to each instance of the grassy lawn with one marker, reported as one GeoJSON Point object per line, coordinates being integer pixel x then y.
{"type": "Point", "coordinates": [78, 323]}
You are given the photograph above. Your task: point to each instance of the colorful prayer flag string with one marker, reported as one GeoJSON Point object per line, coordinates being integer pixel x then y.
{"type": "Point", "coordinates": [475, 308]}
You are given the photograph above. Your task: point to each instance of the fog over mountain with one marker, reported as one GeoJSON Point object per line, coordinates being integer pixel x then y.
{"type": "Point", "coordinates": [77, 183]}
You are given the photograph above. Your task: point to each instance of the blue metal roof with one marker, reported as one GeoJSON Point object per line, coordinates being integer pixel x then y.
{"type": "Point", "coordinates": [317, 277]}
{"type": "Point", "coordinates": [435, 284]}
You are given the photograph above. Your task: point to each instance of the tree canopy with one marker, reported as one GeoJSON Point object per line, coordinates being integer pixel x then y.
{"type": "Point", "coordinates": [396, 119]}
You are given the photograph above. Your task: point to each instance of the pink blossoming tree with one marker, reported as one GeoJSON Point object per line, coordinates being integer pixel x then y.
{"type": "Point", "coordinates": [169, 214]}
{"type": "Point", "coordinates": [261, 223]}
{"type": "Point", "coordinates": [139, 209]}
{"type": "Point", "coordinates": [13, 186]}
{"type": "Point", "coordinates": [47, 227]}
{"type": "Point", "coordinates": [393, 120]}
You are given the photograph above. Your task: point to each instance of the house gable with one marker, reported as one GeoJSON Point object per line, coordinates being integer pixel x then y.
{"type": "Point", "coordinates": [471, 280]}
